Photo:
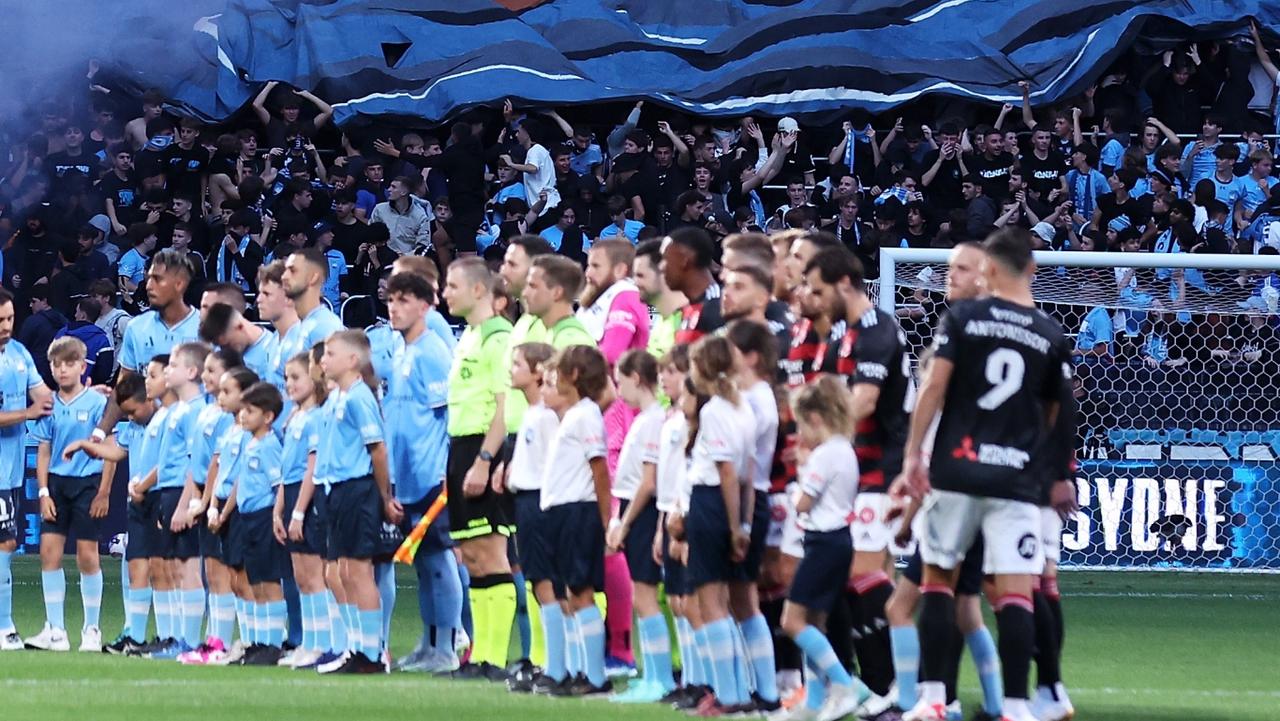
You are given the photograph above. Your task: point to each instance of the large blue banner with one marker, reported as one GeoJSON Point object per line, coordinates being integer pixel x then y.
{"type": "Point", "coordinates": [430, 59]}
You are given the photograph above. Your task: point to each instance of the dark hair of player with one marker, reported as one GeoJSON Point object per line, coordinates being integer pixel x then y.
{"type": "Point", "coordinates": [834, 264]}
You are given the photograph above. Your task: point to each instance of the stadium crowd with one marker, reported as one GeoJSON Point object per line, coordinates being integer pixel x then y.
{"type": "Point", "coordinates": [275, 303]}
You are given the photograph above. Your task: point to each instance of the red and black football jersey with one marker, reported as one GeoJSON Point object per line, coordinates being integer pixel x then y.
{"type": "Point", "coordinates": [700, 317]}
{"type": "Point", "coordinates": [879, 357]}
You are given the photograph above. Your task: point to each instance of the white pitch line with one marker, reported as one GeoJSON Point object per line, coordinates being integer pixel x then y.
{"type": "Point", "coordinates": [1174, 595]}
{"type": "Point", "coordinates": [1165, 693]}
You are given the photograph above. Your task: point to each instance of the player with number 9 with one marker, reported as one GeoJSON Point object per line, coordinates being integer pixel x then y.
{"type": "Point", "coordinates": [992, 458]}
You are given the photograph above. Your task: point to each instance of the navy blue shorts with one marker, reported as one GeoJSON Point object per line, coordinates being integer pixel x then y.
{"type": "Point", "coordinates": [673, 571]}
{"type": "Point", "coordinates": [576, 539]}
{"type": "Point", "coordinates": [180, 546]}
{"type": "Point", "coordinates": [264, 557]}
{"type": "Point", "coordinates": [326, 518]}
{"type": "Point", "coordinates": [355, 527]}
{"type": "Point", "coordinates": [749, 569]}
{"type": "Point", "coordinates": [9, 511]}
{"type": "Point", "coordinates": [72, 497]}
{"type": "Point", "coordinates": [312, 542]}
{"type": "Point", "coordinates": [710, 547]}
{"type": "Point", "coordinates": [141, 526]}
{"type": "Point", "coordinates": [532, 544]}
{"type": "Point", "coordinates": [821, 576]}
{"type": "Point", "coordinates": [233, 540]}
{"type": "Point", "coordinates": [437, 535]}
{"type": "Point", "coordinates": [639, 544]}
{"type": "Point", "coordinates": [315, 529]}
{"type": "Point", "coordinates": [969, 582]}
{"type": "Point", "coordinates": [390, 538]}
{"type": "Point", "coordinates": [210, 542]}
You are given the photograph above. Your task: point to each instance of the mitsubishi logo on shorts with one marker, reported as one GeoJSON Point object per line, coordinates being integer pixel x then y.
{"type": "Point", "coordinates": [965, 452]}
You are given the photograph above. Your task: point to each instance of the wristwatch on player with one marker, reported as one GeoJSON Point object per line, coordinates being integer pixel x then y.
{"type": "Point", "coordinates": [486, 456]}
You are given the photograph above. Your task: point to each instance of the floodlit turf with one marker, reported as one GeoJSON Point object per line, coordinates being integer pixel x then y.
{"type": "Point", "coordinates": [1140, 647]}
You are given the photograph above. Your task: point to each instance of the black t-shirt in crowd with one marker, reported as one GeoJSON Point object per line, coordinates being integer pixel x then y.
{"type": "Point", "coordinates": [944, 192]}
{"type": "Point", "coordinates": [642, 183]}
{"type": "Point", "coordinates": [184, 167]}
{"type": "Point", "coordinates": [994, 173]}
{"type": "Point", "coordinates": [1009, 362]}
{"type": "Point", "coordinates": [60, 166]}
{"type": "Point", "coordinates": [124, 193]}
{"type": "Point", "coordinates": [669, 182]}
{"type": "Point", "coordinates": [1132, 208]}
{"type": "Point", "coordinates": [347, 239]}
{"type": "Point", "coordinates": [797, 163]}
{"type": "Point", "coordinates": [277, 127]}
{"type": "Point", "coordinates": [1043, 176]}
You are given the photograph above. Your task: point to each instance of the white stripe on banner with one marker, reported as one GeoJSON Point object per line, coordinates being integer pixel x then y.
{"type": "Point", "coordinates": [742, 103]}
{"type": "Point", "coordinates": [454, 76]}
{"type": "Point", "coordinates": [849, 94]}
{"type": "Point", "coordinates": [935, 10]}
{"type": "Point", "coordinates": [664, 38]}
{"type": "Point", "coordinates": [207, 26]}
{"type": "Point", "coordinates": [672, 39]}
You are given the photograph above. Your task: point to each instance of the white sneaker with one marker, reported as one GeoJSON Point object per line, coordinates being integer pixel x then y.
{"type": "Point", "coordinates": [335, 664]}
{"type": "Point", "coordinates": [954, 711]}
{"type": "Point", "coordinates": [841, 701]}
{"type": "Point", "coordinates": [11, 641]}
{"type": "Point", "coordinates": [925, 711]}
{"type": "Point", "coordinates": [877, 704]}
{"type": "Point", "coordinates": [235, 653]}
{"type": "Point", "coordinates": [286, 658]}
{"type": "Point", "coordinates": [1046, 708]}
{"type": "Point", "coordinates": [1063, 699]}
{"type": "Point", "coordinates": [91, 640]}
{"type": "Point", "coordinates": [50, 639]}
{"type": "Point", "coordinates": [303, 658]}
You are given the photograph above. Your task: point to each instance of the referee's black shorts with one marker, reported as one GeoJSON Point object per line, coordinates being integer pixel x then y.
{"type": "Point", "coordinates": [475, 517]}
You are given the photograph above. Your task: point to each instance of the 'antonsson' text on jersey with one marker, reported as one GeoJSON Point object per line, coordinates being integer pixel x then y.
{"type": "Point", "coordinates": [1010, 362]}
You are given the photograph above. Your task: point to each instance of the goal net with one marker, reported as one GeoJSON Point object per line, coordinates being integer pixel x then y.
{"type": "Point", "coordinates": [1178, 385]}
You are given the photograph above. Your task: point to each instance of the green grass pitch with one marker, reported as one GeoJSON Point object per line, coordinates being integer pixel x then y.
{"type": "Point", "coordinates": [1140, 647]}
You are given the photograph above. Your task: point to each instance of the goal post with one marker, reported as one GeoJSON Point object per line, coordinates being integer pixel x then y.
{"type": "Point", "coordinates": [1178, 384]}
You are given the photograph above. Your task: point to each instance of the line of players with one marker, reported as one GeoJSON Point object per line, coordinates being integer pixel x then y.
{"type": "Point", "coordinates": [720, 538]}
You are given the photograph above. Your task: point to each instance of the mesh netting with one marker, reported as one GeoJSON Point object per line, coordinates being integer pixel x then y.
{"type": "Point", "coordinates": [1177, 385]}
